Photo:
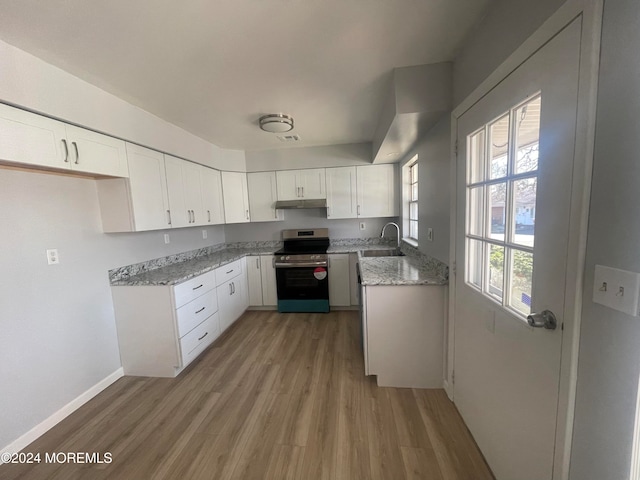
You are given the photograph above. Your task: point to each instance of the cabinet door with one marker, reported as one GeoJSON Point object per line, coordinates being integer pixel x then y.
{"type": "Point", "coordinates": [32, 139]}
{"type": "Point", "coordinates": [376, 191]}
{"type": "Point", "coordinates": [262, 197]}
{"type": "Point", "coordinates": [341, 192]}
{"type": "Point", "coordinates": [236, 197]}
{"type": "Point", "coordinates": [254, 274]}
{"type": "Point", "coordinates": [269, 286]}
{"type": "Point", "coordinates": [232, 300]}
{"type": "Point", "coordinates": [339, 288]}
{"type": "Point", "coordinates": [93, 152]}
{"type": "Point", "coordinates": [353, 279]}
{"type": "Point", "coordinates": [287, 185]}
{"type": "Point", "coordinates": [193, 192]}
{"type": "Point", "coordinates": [212, 203]}
{"type": "Point", "coordinates": [148, 189]}
{"type": "Point", "coordinates": [312, 183]}
{"type": "Point", "coordinates": [175, 189]}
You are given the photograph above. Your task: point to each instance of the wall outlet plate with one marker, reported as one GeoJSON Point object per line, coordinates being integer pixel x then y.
{"type": "Point", "coordinates": [430, 234]}
{"type": "Point", "coordinates": [363, 226]}
{"type": "Point", "coordinates": [204, 234]}
{"type": "Point", "coordinates": [617, 289]}
{"type": "Point", "coordinates": [166, 238]}
{"type": "Point", "coordinates": [52, 256]}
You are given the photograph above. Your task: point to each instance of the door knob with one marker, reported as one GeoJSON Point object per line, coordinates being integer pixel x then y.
{"type": "Point", "coordinates": [545, 319]}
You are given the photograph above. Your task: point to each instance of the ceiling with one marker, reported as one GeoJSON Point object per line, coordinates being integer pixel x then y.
{"type": "Point", "coordinates": [213, 67]}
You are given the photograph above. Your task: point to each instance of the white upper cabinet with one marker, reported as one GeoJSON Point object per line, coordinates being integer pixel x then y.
{"type": "Point", "coordinates": [139, 202]}
{"type": "Point", "coordinates": [180, 215]}
{"type": "Point", "coordinates": [93, 152]}
{"type": "Point", "coordinates": [376, 191]}
{"type": "Point", "coordinates": [31, 139]}
{"type": "Point", "coordinates": [236, 197]}
{"type": "Point", "coordinates": [301, 184]}
{"type": "Point", "coordinates": [341, 192]}
{"type": "Point", "coordinates": [185, 192]}
{"type": "Point", "coordinates": [262, 197]}
{"type": "Point", "coordinates": [212, 202]}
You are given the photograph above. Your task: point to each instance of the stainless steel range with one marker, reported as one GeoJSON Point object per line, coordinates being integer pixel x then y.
{"type": "Point", "coordinates": [301, 271]}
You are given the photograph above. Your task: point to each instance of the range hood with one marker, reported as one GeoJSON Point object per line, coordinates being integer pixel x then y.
{"type": "Point", "coordinates": [312, 203]}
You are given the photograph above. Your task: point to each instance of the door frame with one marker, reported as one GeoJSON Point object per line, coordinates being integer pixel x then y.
{"type": "Point", "coordinates": [591, 12]}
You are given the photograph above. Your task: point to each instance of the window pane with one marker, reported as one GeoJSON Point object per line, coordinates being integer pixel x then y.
{"type": "Point", "coordinates": [413, 229]}
{"type": "Point", "coordinates": [413, 211]}
{"type": "Point", "coordinates": [497, 204]}
{"type": "Point", "coordinates": [474, 262]}
{"type": "Point", "coordinates": [524, 210]}
{"type": "Point", "coordinates": [475, 163]}
{"type": "Point", "coordinates": [475, 212]}
{"type": "Point", "coordinates": [528, 135]}
{"type": "Point", "coordinates": [521, 280]}
{"type": "Point", "coordinates": [499, 132]}
{"type": "Point", "coordinates": [414, 173]}
{"type": "Point", "coordinates": [414, 192]}
{"type": "Point", "coordinates": [496, 271]}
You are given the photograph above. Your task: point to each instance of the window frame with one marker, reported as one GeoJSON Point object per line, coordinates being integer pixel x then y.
{"type": "Point", "coordinates": [408, 200]}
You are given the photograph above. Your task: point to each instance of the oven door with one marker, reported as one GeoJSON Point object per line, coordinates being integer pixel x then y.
{"type": "Point", "coordinates": [302, 288]}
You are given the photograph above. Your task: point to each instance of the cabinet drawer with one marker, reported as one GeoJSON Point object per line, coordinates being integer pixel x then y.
{"type": "Point", "coordinates": [187, 291]}
{"type": "Point", "coordinates": [194, 312]}
{"type": "Point", "coordinates": [228, 271]}
{"type": "Point", "coordinates": [194, 342]}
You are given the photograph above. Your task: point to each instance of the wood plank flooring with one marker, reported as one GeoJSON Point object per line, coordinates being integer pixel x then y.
{"type": "Point", "coordinates": [278, 396]}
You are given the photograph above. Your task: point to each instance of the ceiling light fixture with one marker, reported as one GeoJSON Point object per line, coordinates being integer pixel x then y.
{"type": "Point", "coordinates": [276, 123]}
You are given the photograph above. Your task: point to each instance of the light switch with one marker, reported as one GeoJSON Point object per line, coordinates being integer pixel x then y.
{"type": "Point", "coordinates": [617, 289]}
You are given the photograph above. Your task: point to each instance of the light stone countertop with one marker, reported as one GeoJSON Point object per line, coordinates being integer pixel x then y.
{"type": "Point", "coordinates": [406, 270]}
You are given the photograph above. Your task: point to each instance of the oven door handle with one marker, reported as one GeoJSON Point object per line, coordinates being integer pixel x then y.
{"type": "Point", "coordinates": [301, 265]}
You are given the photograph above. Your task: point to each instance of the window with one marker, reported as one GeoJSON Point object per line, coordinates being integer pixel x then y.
{"type": "Point", "coordinates": [502, 176]}
{"type": "Point", "coordinates": [413, 201]}
{"type": "Point", "coordinates": [410, 201]}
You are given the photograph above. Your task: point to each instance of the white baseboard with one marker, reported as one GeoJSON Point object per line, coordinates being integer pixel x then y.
{"type": "Point", "coordinates": [61, 414]}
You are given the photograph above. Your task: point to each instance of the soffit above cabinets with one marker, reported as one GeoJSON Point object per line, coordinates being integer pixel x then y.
{"type": "Point", "coordinates": [213, 68]}
{"type": "Point", "coordinates": [417, 99]}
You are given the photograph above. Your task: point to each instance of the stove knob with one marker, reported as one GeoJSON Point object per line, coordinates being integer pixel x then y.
{"type": "Point", "coordinates": [287, 257]}
{"type": "Point", "coordinates": [282, 257]}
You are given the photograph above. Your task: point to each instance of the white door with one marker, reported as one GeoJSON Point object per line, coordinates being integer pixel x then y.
{"type": "Point", "coordinates": [96, 153]}
{"type": "Point", "coordinates": [341, 192]}
{"type": "Point", "coordinates": [212, 202]}
{"type": "Point", "coordinates": [514, 173]}
{"type": "Point", "coordinates": [180, 216]}
{"type": "Point", "coordinates": [269, 286]}
{"type": "Point", "coordinates": [262, 197]}
{"type": "Point", "coordinates": [193, 192]}
{"type": "Point", "coordinates": [254, 281]}
{"type": "Point", "coordinates": [236, 197]}
{"type": "Point", "coordinates": [376, 191]}
{"type": "Point", "coordinates": [312, 183]}
{"type": "Point", "coordinates": [288, 188]}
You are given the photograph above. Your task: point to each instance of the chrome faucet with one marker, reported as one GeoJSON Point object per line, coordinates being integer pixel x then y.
{"type": "Point", "coordinates": [397, 228]}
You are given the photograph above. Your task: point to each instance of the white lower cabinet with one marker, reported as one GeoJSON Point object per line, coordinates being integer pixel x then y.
{"type": "Point", "coordinates": [233, 297]}
{"type": "Point", "coordinates": [403, 334]}
{"type": "Point", "coordinates": [161, 329]}
{"type": "Point", "coordinates": [262, 281]}
{"type": "Point", "coordinates": [339, 287]}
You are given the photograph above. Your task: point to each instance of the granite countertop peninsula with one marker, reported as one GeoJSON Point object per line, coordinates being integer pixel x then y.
{"type": "Point", "coordinates": [412, 269]}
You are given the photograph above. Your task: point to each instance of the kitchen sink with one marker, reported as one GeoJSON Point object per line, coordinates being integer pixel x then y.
{"type": "Point", "coordinates": [382, 253]}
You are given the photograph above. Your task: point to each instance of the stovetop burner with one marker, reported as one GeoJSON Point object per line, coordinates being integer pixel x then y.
{"type": "Point", "coordinates": [304, 242]}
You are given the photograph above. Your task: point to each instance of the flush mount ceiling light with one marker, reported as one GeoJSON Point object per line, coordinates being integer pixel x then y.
{"type": "Point", "coordinates": [276, 123]}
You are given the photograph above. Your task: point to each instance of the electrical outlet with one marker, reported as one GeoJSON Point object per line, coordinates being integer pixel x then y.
{"type": "Point", "coordinates": [204, 234]}
{"type": "Point", "coordinates": [166, 238]}
{"type": "Point", "coordinates": [617, 289]}
{"type": "Point", "coordinates": [430, 234]}
{"type": "Point", "coordinates": [363, 226]}
{"type": "Point", "coordinates": [52, 256]}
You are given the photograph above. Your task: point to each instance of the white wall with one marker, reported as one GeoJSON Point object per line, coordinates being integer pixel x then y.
{"type": "Point", "coordinates": [609, 362]}
{"type": "Point", "coordinates": [308, 218]}
{"type": "Point", "coordinates": [309, 157]}
{"type": "Point", "coordinates": [29, 82]}
{"type": "Point", "coordinates": [57, 326]}
{"type": "Point", "coordinates": [506, 24]}
{"type": "Point", "coordinates": [434, 191]}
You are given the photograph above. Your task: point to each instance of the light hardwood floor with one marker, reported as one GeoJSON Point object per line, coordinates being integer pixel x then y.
{"type": "Point", "coordinates": [278, 396]}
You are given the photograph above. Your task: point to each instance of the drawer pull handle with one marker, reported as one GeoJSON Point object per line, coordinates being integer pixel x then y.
{"type": "Point", "coordinates": [205, 334]}
{"type": "Point", "coordinates": [229, 271]}
{"type": "Point", "coordinates": [199, 286]}
{"type": "Point", "coordinates": [201, 309]}
{"type": "Point", "coordinates": [75, 146]}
